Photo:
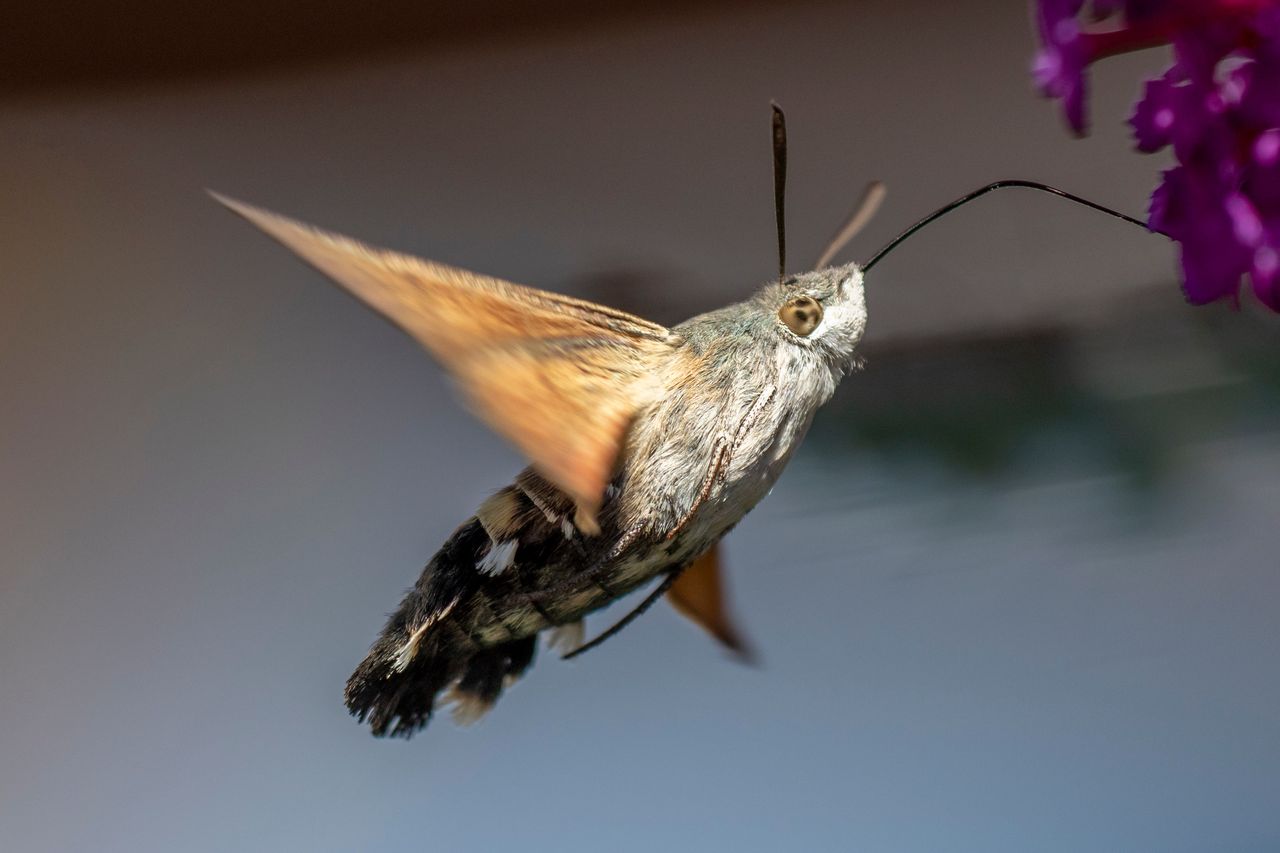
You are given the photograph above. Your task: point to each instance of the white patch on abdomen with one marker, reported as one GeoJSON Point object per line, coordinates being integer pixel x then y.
{"type": "Point", "coordinates": [500, 557]}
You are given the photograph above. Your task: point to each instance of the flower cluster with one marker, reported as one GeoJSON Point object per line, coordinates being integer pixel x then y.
{"type": "Point", "coordinates": [1217, 105]}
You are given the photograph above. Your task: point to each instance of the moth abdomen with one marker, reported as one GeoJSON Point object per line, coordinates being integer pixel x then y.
{"type": "Point", "coordinates": [420, 651]}
{"type": "Point", "coordinates": [468, 628]}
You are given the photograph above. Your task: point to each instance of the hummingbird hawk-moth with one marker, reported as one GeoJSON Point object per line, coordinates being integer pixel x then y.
{"type": "Point", "coordinates": [647, 445]}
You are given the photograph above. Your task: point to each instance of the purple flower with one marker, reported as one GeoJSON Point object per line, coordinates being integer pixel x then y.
{"type": "Point", "coordinates": [1217, 105]}
{"type": "Point", "coordinates": [1058, 68]}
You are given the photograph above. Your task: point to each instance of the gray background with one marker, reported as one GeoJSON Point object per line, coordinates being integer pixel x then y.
{"type": "Point", "coordinates": [1017, 592]}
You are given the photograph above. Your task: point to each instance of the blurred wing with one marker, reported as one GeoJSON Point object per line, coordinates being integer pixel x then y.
{"type": "Point", "coordinates": [559, 377]}
{"type": "Point", "coordinates": [699, 594]}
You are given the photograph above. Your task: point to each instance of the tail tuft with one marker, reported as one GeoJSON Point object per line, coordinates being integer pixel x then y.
{"type": "Point", "coordinates": [422, 652]}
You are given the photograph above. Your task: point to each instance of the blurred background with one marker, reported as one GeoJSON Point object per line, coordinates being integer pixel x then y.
{"type": "Point", "coordinates": [1018, 590]}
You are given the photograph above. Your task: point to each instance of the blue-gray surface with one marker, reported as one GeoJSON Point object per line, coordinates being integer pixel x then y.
{"type": "Point", "coordinates": [217, 474]}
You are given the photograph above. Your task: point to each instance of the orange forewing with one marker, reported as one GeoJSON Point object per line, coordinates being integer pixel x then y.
{"type": "Point", "coordinates": [699, 594]}
{"type": "Point", "coordinates": [559, 377]}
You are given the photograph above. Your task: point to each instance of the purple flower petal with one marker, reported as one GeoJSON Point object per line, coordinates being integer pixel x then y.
{"type": "Point", "coordinates": [1202, 134]}
{"type": "Point", "coordinates": [1058, 68]}
{"type": "Point", "coordinates": [1259, 104]}
{"type": "Point", "coordinates": [1209, 275]}
{"type": "Point", "coordinates": [1246, 225]}
{"type": "Point", "coordinates": [1266, 148]}
{"type": "Point", "coordinates": [1158, 207]}
{"type": "Point", "coordinates": [1154, 115]}
{"type": "Point", "coordinates": [1190, 207]}
{"type": "Point", "coordinates": [1262, 174]}
{"type": "Point", "coordinates": [1265, 276]}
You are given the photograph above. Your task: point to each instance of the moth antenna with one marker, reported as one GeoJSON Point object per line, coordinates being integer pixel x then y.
{"type": "Point", "coordinates": [872, 198]}
{"type": "Point", "coordinates": [658, 591]}
{"type": "Point", "coordinates": [780, 184]}
{"type": "Point", "coordinates": [999, 185]}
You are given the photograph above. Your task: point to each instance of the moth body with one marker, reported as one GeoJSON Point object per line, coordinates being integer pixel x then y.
{"type": "Point", "coordinates": [648, 445]}
{"type": "Point", "coordinates": [738, 395]}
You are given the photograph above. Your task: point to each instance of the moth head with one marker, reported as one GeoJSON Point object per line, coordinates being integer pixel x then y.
{"type": "Point", "coordinates": [824, 312]}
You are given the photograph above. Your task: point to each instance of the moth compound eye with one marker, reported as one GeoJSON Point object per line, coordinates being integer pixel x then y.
{"type": "Point", "coordinates": [802, 315]}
